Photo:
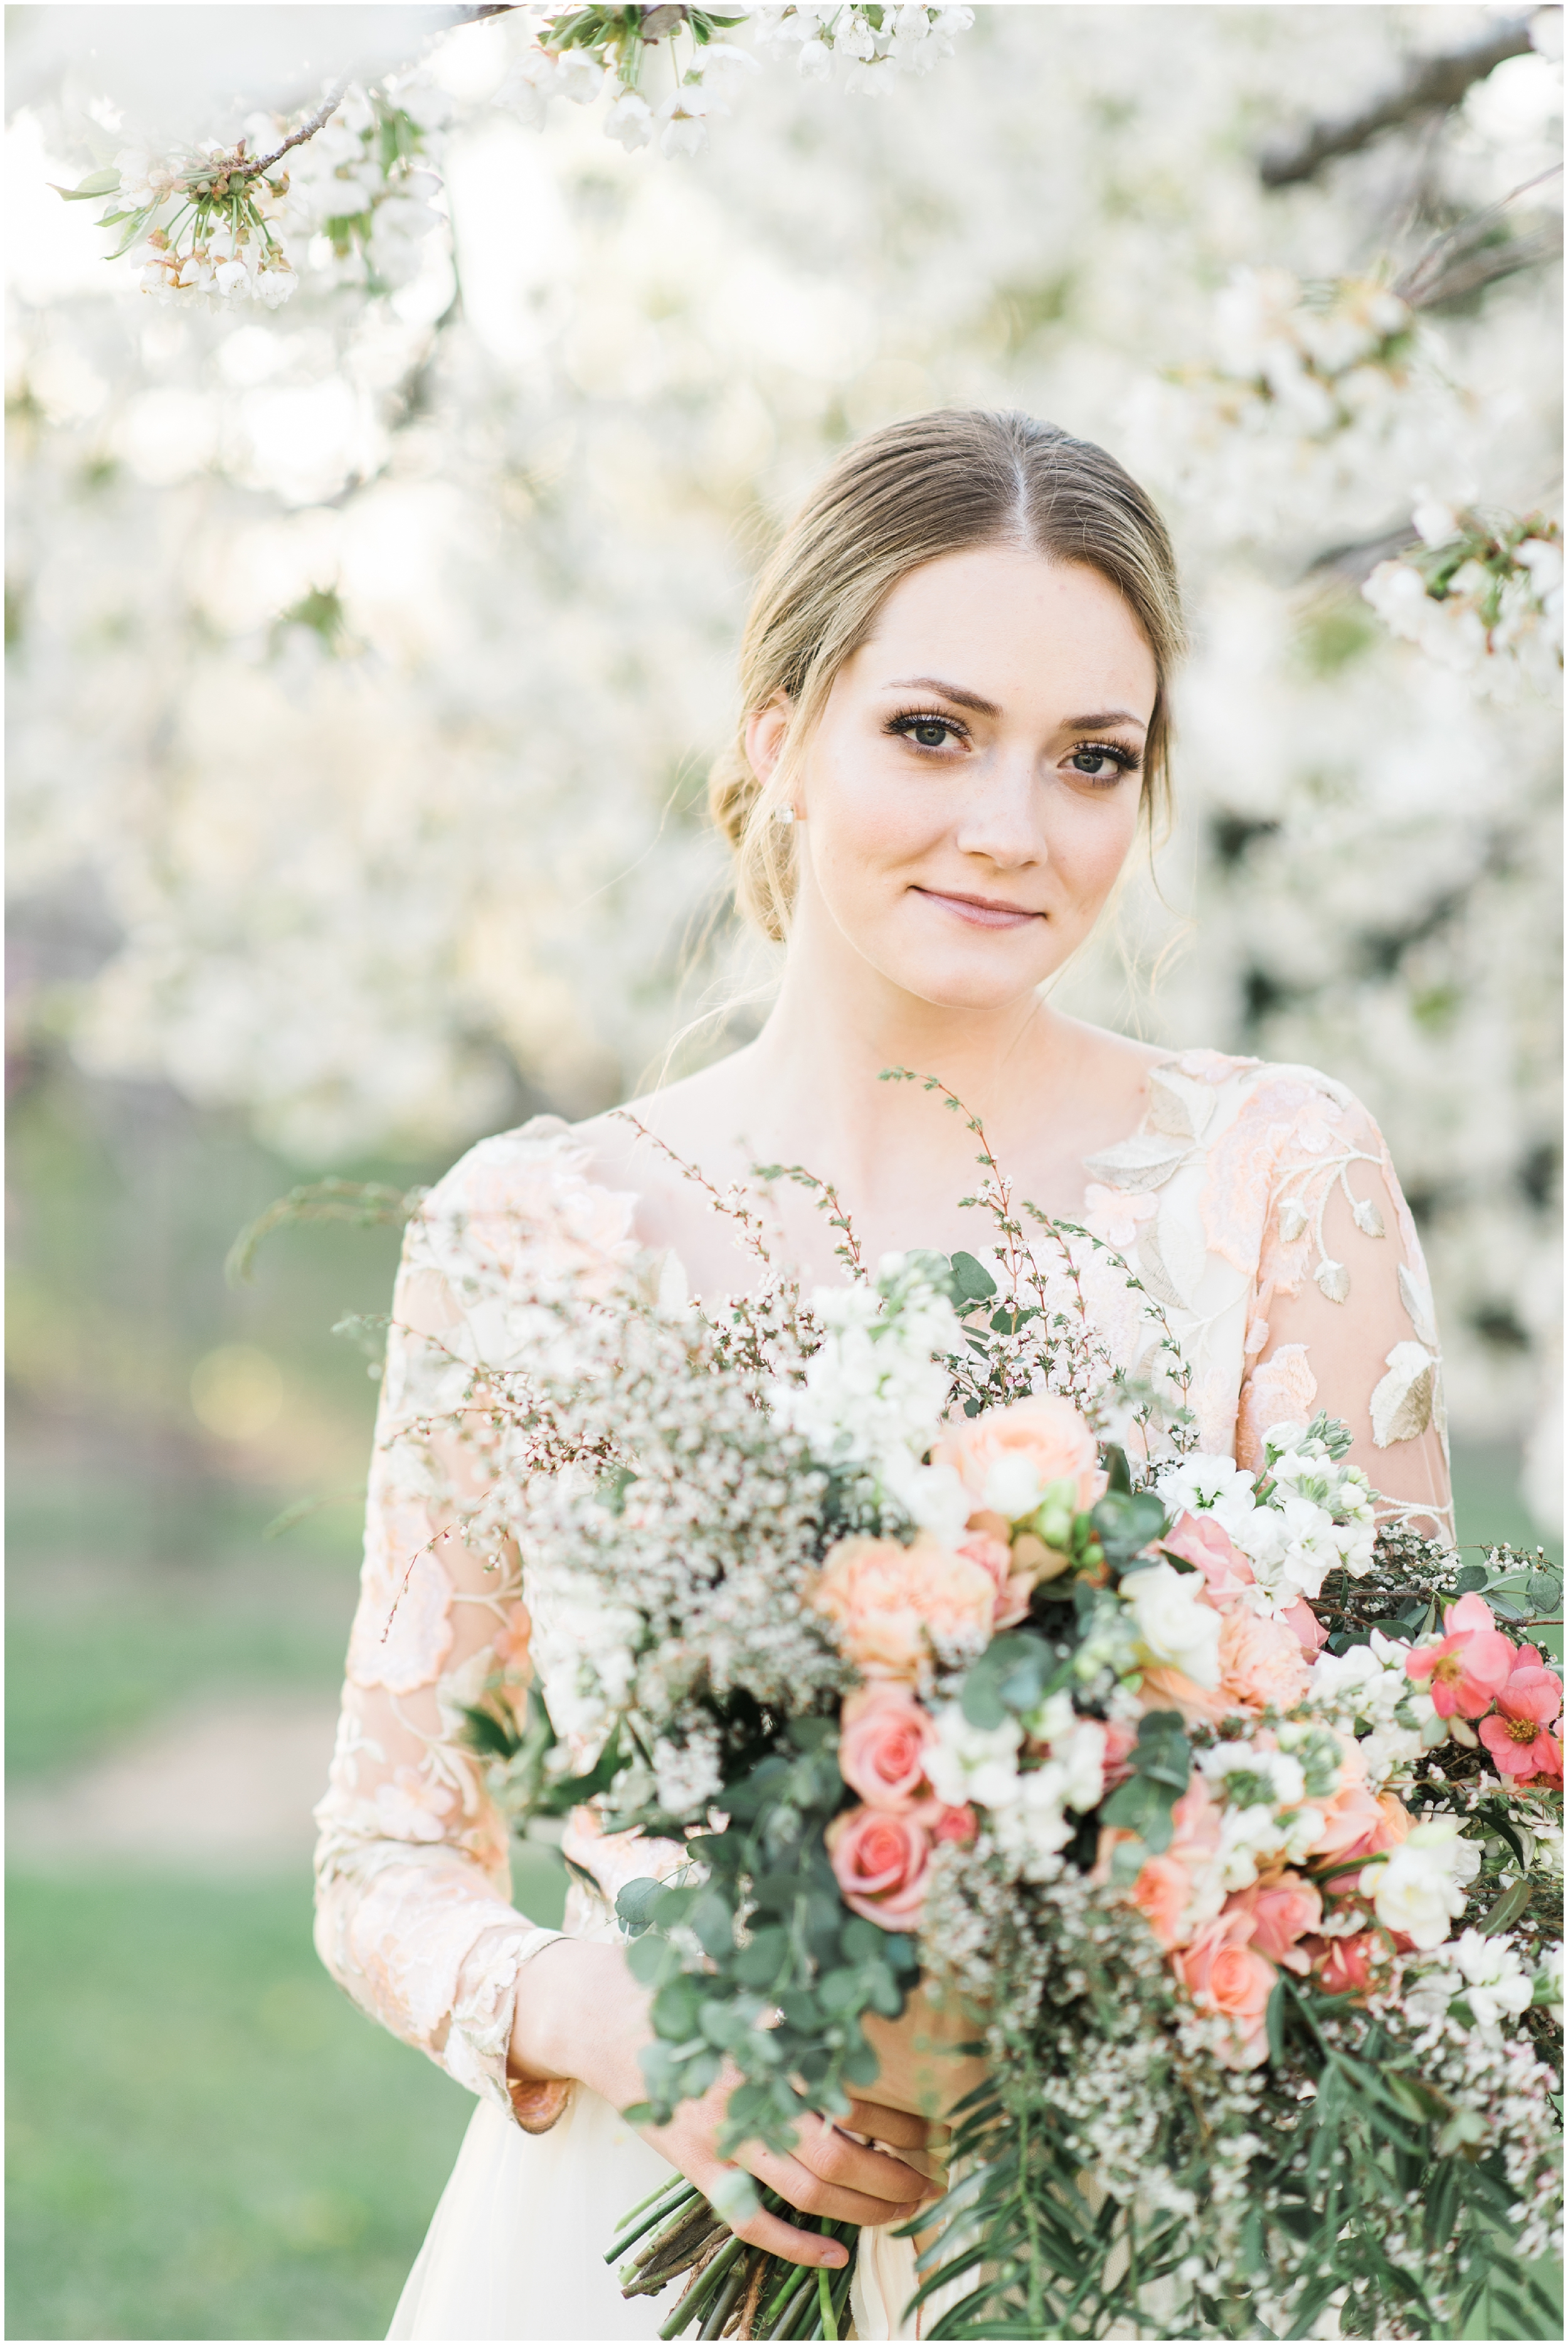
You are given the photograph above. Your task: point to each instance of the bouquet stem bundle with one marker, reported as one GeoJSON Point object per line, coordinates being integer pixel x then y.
{"type": "Point", "coordinates": [734, 2289]}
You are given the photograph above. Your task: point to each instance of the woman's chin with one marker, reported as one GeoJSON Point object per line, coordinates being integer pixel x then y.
{"type": "Point", "coordinates": [977, 982]}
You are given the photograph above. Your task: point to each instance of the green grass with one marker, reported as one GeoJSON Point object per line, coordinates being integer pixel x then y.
{"type": "Point", "coordinates": [206, 2138]}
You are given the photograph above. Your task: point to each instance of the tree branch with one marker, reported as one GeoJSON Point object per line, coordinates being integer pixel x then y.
{"type": "Point", "coordinates": [1431, 86]}
{"type": "Point", "coordinates": [318, 121]}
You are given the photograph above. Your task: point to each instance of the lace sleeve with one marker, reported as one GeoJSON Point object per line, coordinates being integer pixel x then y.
{"type": "Point", "coordinates": [1340, 1317]}
{"type": "Point", "coordinates": [414, 1917]}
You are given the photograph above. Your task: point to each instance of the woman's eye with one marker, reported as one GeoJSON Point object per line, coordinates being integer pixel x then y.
{"type": "Point", "coordinates": [1098, 764]}
{"type": "Point", "coordinates": [928, 732]}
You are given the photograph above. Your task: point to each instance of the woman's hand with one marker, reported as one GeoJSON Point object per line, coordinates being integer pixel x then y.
{"type": "Point", "coordinates": [581, 2013]}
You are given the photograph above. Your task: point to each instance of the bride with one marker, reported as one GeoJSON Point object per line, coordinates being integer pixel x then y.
{"type": "Point", "coordinates": [955, 686]}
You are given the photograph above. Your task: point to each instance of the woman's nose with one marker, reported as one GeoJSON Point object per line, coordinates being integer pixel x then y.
{"type": "Point", "coordinates": [1002, 818]}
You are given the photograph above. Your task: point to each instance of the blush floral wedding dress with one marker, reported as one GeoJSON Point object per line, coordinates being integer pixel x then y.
{"type": "Point", "coordinates": [1260, 1209]}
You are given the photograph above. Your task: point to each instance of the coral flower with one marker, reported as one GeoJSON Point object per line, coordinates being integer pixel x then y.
{"type": "Point", "coordinates": [1282, 1911]}
{"type": "Point", "coordinates": [1345, 1965]}
{"type": "Point", "coordinates": [1471, 1664]}
{"type": "Point", "coordinates": [887, 1601]}
{"type": "Point", "coordinates": [1009, 1457]}
{"type": "Point", "coordinates": [1519, 1736]}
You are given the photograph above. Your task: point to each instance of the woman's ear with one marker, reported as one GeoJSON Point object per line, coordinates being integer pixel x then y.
{"type": "Point", "coordinates": [766, 729]}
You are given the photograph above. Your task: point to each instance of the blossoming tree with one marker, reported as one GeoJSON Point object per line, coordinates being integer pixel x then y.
{"type": "Point", "coordinates": [383, 517]}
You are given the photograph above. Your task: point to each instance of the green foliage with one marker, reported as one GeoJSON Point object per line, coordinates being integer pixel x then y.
{"type": "Point", "coordinates": [797, 1950]}
{"type": "Point", "coordinates": [1161, 1763]}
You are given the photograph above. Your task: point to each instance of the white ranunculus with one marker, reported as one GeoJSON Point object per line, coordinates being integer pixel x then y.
{"type": "Point", "coordinates": [1419, 1887]}
{"type": "Point", "coordinates": [1175, 1627]}
{"type": "Point", "coordinates": [978, 1763]}
{"type": "Point", "coordinates": [1495, 1979]}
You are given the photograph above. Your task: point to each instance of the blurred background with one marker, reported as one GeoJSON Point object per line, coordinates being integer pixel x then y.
{"type": "Point", "coordinates": [367, 655]}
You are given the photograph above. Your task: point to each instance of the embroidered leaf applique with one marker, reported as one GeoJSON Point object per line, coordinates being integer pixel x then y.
{"type": "Point", "coordinates": [1156, 1276]}
{"type": "Point", "coordinates": [1334, 1279]}
{"type": "Point", "coordinates": [1417, 1301]}
{"type": "Point", "coordinates": [1403, 1404]}
{"type": "Point", "coordinates": [1145, 1162]}
{"type": "Point", "coordinates": [1368, 1219]}
{"type": "Point", "coordinates": [1178, 1106]}
{"type": "Point", "coordinates": [1293, 1219]}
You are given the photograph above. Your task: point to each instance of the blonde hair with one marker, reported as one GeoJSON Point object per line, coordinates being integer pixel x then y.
{"type": "Point", "coordinates": [932, 484]}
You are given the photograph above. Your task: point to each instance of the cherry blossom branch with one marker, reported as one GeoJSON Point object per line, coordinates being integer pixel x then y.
{"type": "Point", "coordinates": [1432, 86]}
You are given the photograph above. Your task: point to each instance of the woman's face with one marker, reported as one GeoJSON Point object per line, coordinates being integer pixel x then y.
{"type": "Point", "coordinates": [972, 790]}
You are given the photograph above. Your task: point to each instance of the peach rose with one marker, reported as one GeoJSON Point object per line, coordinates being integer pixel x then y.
{"type": "Point", "coordinates": [1009, 1457]}
{"type": "Point", "coordinates": [1222, 1973]}
{"type": "Point", "coordinates": [883, 1599]}
{"type": "Point", "coordinates": [1282, 1911]}
{"type": "Point", "coordinates": [1393, 1823]}
{"type": "Point", "coordinates": [880, 1862]}
{"type": "Point", "coordinates": [995, 1555]}
{"type": "Point", "coordinates": [1204, 1542]}
{"type": "Point", "coordinates": [883, 1740]}
{"type": "Point", "coordinates": [1260, 1663]}
{"type": "Point", "coordinates": [1162, 1689]}
{"type": "Point", "coordinates": [1162, 1892]}
{"type": "Point", "coordinates": [1121, 1742]}
{"type": "Point", "coordinates": [951, 1824]}
{"type": "Point", "coordinates": [1354, 1814]}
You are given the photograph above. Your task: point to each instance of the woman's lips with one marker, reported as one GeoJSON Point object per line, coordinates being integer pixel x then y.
{"type": "Point", "coordinates": [982, 912]}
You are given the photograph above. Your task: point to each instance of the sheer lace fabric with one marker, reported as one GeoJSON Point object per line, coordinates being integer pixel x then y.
{"type": "Point", "coordinates": [1259, 1211]}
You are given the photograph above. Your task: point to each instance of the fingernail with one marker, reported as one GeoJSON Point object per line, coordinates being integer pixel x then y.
{"type": "Point", "coordinates": [836, 2256]}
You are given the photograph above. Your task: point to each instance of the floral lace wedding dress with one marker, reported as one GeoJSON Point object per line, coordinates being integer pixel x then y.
{"type": "Point", "coordinates": [1258, 1207]}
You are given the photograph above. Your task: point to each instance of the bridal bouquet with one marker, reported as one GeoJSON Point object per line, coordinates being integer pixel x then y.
{"type": "Point", "coordinates": [910, 1645]}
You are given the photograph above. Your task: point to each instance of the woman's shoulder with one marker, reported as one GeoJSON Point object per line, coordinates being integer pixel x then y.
{"type": "Point", "coordinates": [1198, 1091]}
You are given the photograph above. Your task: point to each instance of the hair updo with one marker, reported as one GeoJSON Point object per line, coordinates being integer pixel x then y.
{"type": "Point", "coordinates": [932, 484]}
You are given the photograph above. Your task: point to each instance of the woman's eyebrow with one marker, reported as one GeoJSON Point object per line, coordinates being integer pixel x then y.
{"type": "Point", "coordinates": [953, 692]}
{"type": "Point", "coordinates": [1095, 722]}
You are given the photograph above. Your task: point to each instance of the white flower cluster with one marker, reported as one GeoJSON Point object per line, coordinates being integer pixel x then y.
{"type": "Point", "coordinates": [1273, 1795]}
{"type": "Point", "coordinates": [876, 1390]}
{"type": "Point", "coordinates": [1487, 1973]}
{"type": "Point", "coordinates": [361, 189]}
{"type": "Point", "coordinates": [1485, 602]}
{"type": "Point", "coordinates": [1420, 1886]}
{"type": "Point", "coordinates": [1309, 1516]}
{"type": "Point", "coordinates": [1026, 1773]}
{"type": "Point", "coordinates": [876, 41]}
{"type": "Point", "coordinates": [1366, 1690]}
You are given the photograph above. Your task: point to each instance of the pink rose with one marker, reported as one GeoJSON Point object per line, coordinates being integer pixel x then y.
{"type": "Point", "coordinates": [995, 1556]}
{"type": "Point", "coordinates": [884, 1738]}
{"type": "Point", "coordinates": [1202, 1541]}
{"type": "Point", "coordinates": [1282, 1911]}
{"type": "Point", "coordinates": [1222, 1973]}
{"type": "Point", "coordinates": [1009, 1457]}
{"type": "Point", "coordinates": [1121, 1742]}
{"type": "Point", "coordinates": [1260, 1663]}
{"type": "Point", "coordinates": [951, 1824]}
{"type": "Point", "coordinates": [880, 1862]}
{"type": "Point", "coordinates": [885, 1601]}
{"type": "Point", "coordinates": [1311, 1633]}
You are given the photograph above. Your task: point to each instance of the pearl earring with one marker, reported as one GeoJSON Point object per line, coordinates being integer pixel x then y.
{"type": "Point", "coordinates": [784, 814]}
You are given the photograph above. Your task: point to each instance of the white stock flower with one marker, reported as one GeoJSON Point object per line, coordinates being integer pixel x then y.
{"type": "Point", "coordinates": [1495, 1979]}
{"type": "Point", "coordinates": [1175, 1629]}
{"type": "Point", "coordinates": [1204, 1484]}
{"type": "Point", "coordinates": [1420, 1886]}
{"type": "Point", "coordinates": [977, 1763]}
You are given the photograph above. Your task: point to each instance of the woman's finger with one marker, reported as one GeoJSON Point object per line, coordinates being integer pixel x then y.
{"type": "Point", "coordinates": [896, 2128]}
{"type": "Point", "coordinates": [777, 2238]}
{"type": "Point", "coordinates": [834, 2156]}
{"type": "Point", "coordinates": [831, 2200]}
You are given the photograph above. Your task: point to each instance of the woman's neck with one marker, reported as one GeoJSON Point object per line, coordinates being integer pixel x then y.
{"type": "Point", "coordinates": [813, 1073]}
